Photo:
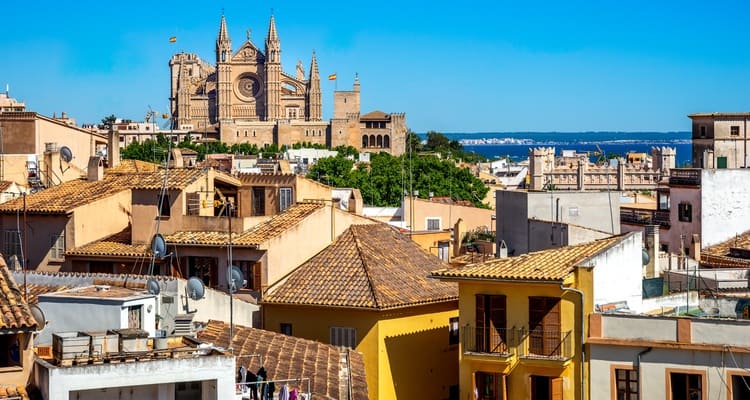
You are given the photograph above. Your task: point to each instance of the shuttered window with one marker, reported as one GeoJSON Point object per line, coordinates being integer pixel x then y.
{"type": "Point", "coordinates": [490, 323]}
{"type": "Point", "coordinates": [544, 326]}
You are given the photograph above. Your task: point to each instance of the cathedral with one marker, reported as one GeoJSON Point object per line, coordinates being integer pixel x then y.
{"type": "Point", "coordinates": [246, 97]}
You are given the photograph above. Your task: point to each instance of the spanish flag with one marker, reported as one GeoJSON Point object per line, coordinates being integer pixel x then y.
{"type": "Point", "coordinates": [332, 77]}
{"type": "Point", "coordinates": [173, 39]}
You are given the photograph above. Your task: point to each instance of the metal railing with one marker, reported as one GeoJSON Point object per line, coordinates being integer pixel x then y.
{"type": "Point", "coordinates": [488, 340]}
{"type": "Point", "coordinates": [685, 176]}
{"type": "Point", "coordinates": [536, 343]}
{"type": "Point", "coordinates": [645, 217]}
{"type": "Point", "coordinates": [547, 344]}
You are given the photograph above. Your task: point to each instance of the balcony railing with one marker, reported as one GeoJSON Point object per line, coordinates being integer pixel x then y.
{"type": "Point", "coordinates": [547, 344]}
{"type": "Point", "coordinates": [644, 217]}
{"type": "Point", "coordinates": [488, 340]}
{"type": "Point", "coordinates": [534, 344]}
{"type": "Point", "coordinates": [685, 176]}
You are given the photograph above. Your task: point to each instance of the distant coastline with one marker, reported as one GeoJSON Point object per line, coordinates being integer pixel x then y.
{"type": "Point", "coordinates": [516, 144]}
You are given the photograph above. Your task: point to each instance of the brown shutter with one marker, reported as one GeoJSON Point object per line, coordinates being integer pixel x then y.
{"type": "Point", "coordinates": [479, 322]}
{"type": "Point", "coordinates": [557, 389]}
{"type": "Point", "coordinates": [257, 274]}
{"type": "Point", "coordinates": [497, 321]}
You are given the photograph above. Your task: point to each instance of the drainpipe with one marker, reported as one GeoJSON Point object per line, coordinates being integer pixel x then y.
{"type": "Point", "coordinates": [583, 338]}
{"type": "Point", "coordinates": [640, 376]}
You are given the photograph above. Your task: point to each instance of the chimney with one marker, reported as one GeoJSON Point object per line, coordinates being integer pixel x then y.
{"type": "Point", "coordinates": [177, 161]}
{"type": "Point", "coordinates": [502, 250]}
{"type": "Point", "coordinates": [695, 248]}
{"type": "Point", "coordinates": [652, 268]}
{"type": "Point", "coordinates": [95, 169]}
{"type": "Point", "coordinates": [113, 151]}
{"type": "Point", "coordinates": [459, 228]}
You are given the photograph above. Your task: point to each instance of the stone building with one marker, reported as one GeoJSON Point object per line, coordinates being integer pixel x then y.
{"type": "Point", "coordinates": [720, 140]}
{"type": "Point", "coordinates": [246, 97]}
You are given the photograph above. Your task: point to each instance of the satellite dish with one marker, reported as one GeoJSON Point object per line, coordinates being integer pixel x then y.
{"type": "Point", "coordinates": [158, 246]}
{"type": "Point", "coordinates": [65, 154]}
{"type": "Point", "coordinates": [38, 315]}
{"type": "Point", "coordinates": [645, 258]}
{"type": "Point", "coordinates": [153, 286]}
{"type": "Point", "coordinates": [195, 288]}
{"type": "Point", "coordinates": [236, 279]}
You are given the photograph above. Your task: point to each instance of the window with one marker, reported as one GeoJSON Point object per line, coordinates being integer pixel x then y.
{"type": "Point", "coordinates": [433, 224]}
{"type": "Point", "coordinates": [259, 201]}
{"type": "Point", "coordinates": [245, 133]}
{"type": "Point", "coordinates": [490, 322]}
{"type": "Point", "coordinates": [163, 205]}
{"type": "Point", "coordinates": [740, 387]}
{"type": "Point", "coordinates": [546, 388]}
{"type": "Point", "coordinates": [734, 130]}
{"type": "Point", "coordinates": [343, 336]}
{"type": "Point", "coordinates": [489, 386]}
{"type": "Point", "coordinates": [685, 386]}
{"type": "Point", "coordinates": [626, 384]}
{"type": "Point", "coordinates": [544, 326]}
{"type": "Point", "coordinates": [721, 162]}
{"type": "Point", "coordinates": [285, 198]}
{"type": "Point", "coordinates": [11, 243]}
{"type": "Point", "coordinates": [685, 212]}
{"type": "Point", "coordinates": [57, 247]}
{"type": "Point", "coordinates": [285, 328]}
{"type": "Point", "coordinates": [291, 112]}
{"type": "Point", "coordinates": [134, 316]}
{"type": "Point", "coordinates": [11, 354]}
{"type": "Point", "coordinates": [703, 131]}
{"type": "Point", "coordinates": [453, 330]}
{"type": "Point", "coordinates": [251, 270]}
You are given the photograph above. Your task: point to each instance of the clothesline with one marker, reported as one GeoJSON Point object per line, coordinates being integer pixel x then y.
{"type": "Point", "coordinates": [274, 381]}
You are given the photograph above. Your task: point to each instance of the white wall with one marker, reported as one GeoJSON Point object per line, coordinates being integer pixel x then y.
{"type": "Point", "coordinates": [725, 198]}
{"type": "Point", "coordinates": [72, 313]}
{"type": "Point", "coordinates": [217, 372]}
{"type": "Point", "coordinates": [618, 272]}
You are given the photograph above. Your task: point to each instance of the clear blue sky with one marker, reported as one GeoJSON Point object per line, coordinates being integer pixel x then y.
{"type": "Point", "coordinates": [451, 66]}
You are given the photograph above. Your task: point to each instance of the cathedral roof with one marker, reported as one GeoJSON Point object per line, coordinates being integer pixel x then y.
{"type": "Point", "coordinates": [377, 114]}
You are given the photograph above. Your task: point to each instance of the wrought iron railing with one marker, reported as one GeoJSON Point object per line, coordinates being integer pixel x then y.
{"type": "Point", "coordinates": [488, 340]}
{"type": "Point", "coordinates": [547, 344]}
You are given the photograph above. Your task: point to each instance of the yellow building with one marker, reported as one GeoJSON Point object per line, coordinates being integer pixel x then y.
{"type": "Point", "coordinates": [521, 317]}
{"type": "Point", "coordinates": [370, 290]}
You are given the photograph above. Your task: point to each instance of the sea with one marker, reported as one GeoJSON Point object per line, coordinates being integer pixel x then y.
{"type": "Point", "coordinates": [516, 144]}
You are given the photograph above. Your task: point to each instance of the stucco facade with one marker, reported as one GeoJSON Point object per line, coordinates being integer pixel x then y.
{"type": "Point", "coordinates": [407, 351]}
{"type": "Point", "coordinates": [598, 211]}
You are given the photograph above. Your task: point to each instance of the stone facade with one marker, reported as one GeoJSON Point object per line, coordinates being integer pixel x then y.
{"type": "Point", "coordinates": [547, 173]}
{"type": "Point", "coordinates": [720, 140]}
{"type": "Point", "coordinates": [246, 97]}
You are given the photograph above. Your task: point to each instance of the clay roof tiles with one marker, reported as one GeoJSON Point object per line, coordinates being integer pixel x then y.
{"type": "Point", "coordinates": [288, 357]}
{"type": "Point", "coordinates": [63, 198]}
{"type": "Point", "coordinates": [13, 392]}
{"type": "Point", "coordinates": [719, 255]}
{"type": "Point", "coordinates": [545, 265]}
{"type": "Point", "coordinates": [368, 266]}
{"type": "Point", "coordinates": [14, 311]}
{"type": "Point", "coordinates": [253, 237]}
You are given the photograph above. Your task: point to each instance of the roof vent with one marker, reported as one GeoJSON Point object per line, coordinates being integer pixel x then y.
{"type": "Point", "coordinates": [101, 288]}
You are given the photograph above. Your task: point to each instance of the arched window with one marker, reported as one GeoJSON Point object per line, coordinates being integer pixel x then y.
{"type": "Point", "coordinates": [245, 133]}
{"type": "Point", "coordinates": [238, 133]}
{"type": "Point", "coordinates": [380, 141]}
{"type": "Point", "coordinates": [364, 140]}
{"type": "Point", "coordinates": [372, 140]}
{"type": "Point", "coordinates": [387, 141]}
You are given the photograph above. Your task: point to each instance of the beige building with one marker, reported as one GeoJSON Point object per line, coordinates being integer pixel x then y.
{"type": "Point", "coordinates": [720, 140]}
{"type": "Point", "coordinates": [246, 97]}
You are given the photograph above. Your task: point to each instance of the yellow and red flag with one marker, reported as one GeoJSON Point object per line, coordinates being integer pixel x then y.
{"type": "Point", "coordinates": [332, 77]}
{"type": "Point", "coordinates": [173, 39]}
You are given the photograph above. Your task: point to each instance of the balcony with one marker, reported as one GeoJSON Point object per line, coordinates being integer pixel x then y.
{"type": "Point", "coordinates": [685, 176]}
{"type": "Point", "coordinates": [508, 342]}
{"type": "Point", "coordinates": [489, 341]}
{"type": "Point", "coordinates": [547, 345]}
{"type": "Point", "coordinates": [644, 217]}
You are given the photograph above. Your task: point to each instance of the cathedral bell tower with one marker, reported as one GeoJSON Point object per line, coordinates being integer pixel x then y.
{"type": "Point", "coordinates": [273, 73]}
{"type": "Point", "coordinates": [223, 76]}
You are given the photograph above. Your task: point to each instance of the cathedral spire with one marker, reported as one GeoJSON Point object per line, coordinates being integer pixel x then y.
{"type": "Point", "coordinates": [272, 35]}
{"type": "Point", "coordinates": [223, 42]}
{"type": "Point", "coordinates": [314, 104]}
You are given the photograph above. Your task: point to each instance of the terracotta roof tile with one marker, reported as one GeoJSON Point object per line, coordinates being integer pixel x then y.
{"type": "Point", "coordinates": [718, 255]}
{"type": "Point", "coordinates": [368, 266]}
{"type": "Point", "coordinates": [14, 312]}
{"type": "Point", "coordinates": [546, 265]}
{"type": "Point", "coordinates": [35, 290]}
{"type": "Point", "coordinates": [13, 392]}
{"type": "Point", "coordinates": [117, 245]}
{"type": "Point", "coordinates": [65, 197]}
{"type": "Point", "coordinates": [288, 357]}
{"type": "Point", "coordinates": [133, 167]}
{"type": "Point", "coordinates": [267, 179]}
{"type": "Point", "coordinates": [253, 237]}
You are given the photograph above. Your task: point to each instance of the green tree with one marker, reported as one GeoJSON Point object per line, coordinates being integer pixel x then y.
{"type": "Point", "coordinates": [413, 141]}
{"type": "Point", "coordinates": [107, 122]}
{"type": "Point", "coordinates": [333, 171]}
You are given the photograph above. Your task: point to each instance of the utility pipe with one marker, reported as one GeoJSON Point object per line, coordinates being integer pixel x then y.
{"type": "Point", "coordinates": [583, 334]}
